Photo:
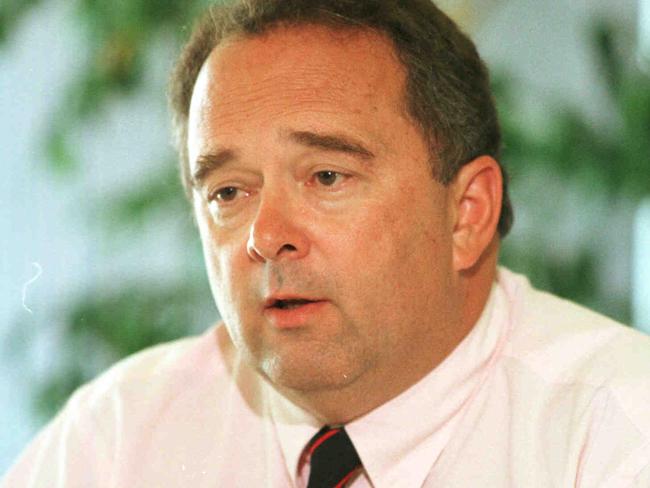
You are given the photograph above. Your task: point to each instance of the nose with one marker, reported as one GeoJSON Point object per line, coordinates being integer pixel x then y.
{"type": "Point", "coordinates": [277, 232]}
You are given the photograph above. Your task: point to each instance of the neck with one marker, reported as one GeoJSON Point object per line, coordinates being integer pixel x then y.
{"type": "Point", "coordinates": [475, 284]}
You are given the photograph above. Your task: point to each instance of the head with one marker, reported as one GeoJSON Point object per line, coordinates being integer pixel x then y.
{"type": "Point", "coordinates": [341, 158]}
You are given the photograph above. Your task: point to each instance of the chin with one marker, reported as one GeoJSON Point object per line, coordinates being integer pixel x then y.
{"type": "Point", "coordinates": [309, 373]}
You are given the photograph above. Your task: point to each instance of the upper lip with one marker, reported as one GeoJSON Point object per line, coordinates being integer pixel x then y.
{"type": "Point", "coordinates": [273, 299]}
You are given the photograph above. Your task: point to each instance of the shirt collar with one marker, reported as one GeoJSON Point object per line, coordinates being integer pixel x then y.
{"type": "Point", "coordinates": [294, 427]}
{"type": "Point", "coordinates": [395, 449]}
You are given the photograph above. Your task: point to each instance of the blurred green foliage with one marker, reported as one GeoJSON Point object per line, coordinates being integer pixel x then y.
{"type": "Point", "coordinates": [104, 325]}
{"type": "Point", "coordinates": [11, 11]}
{"type": "Point", "coordinates": [610, 163]}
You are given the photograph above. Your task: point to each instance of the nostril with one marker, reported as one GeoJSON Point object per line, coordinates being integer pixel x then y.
{"type": "Point", "coordinates": [270, 240]}
{"type": "Point", "coordinates": [288, 247]}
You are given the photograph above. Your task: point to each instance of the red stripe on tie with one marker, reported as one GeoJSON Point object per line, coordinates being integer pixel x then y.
{"type": "Point", "coordinates": [322, 439]}
{"type": "Point", "coordinates": [347, 478]}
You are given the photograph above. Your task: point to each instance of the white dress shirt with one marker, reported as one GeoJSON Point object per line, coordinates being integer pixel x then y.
{"type": "Point", "coordinates": [541, 393]}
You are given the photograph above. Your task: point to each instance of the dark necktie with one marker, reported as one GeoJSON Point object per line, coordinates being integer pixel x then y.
{"type": "Point", "coordinates": [332, 458]}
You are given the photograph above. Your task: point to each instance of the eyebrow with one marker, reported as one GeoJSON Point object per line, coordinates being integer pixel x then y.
{"type": "Point", "coordinates": [332, 142]}
{"type": "Point", "coordinates": [208, 163]}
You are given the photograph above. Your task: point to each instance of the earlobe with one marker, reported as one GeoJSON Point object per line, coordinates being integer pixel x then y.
{"type": "Point", "coordinates": [477, 192]}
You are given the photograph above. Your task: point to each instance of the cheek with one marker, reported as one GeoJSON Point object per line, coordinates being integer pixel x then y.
{"type": "Point", "coordinates": [228, 289]}
{"type": "Point", "coordinates": [221, 263]}
{"type": "Point", "coordinates": [368, 252]}
{"type": "Point", "coordinates": [397, 232]}
{"type": "Point", "coordinates": [399, 252]}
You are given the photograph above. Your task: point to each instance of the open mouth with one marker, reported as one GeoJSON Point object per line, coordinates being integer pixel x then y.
{"type": "Point", "coordinates": [288, 312]}
{"type": "Point", "coordinates": [290, 304]}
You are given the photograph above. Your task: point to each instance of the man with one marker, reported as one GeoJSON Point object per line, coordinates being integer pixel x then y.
{"type": "Point", "coordinates": [342, 161]}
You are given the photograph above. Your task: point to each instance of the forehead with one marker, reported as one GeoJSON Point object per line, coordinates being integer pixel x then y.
{"type": "Point", "coordinates": [303, 52]}
{"type": "Point", "coordinates": [299, 68]}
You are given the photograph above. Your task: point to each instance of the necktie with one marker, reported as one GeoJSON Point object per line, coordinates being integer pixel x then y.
{"type": "Point", "coordinates": [332, 458]}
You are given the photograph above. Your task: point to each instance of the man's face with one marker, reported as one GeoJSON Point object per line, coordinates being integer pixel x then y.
{"type": "Point", "coordinates": [327, 241]}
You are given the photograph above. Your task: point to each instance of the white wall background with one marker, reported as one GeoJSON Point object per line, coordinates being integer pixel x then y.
{"type": "Point", "coordinates": [45, 221]}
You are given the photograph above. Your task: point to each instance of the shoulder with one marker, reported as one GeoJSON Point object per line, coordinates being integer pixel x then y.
{"type": "Point", "coordinates": [546, 326]}
{"type": "Point", "coordinates": [113, 423]}
{"type": "Point", "coordinates": [181, 362]}
{"type": "Point", "coordinates": [141, 384]}
{"type": "Point", "coordinates": [567, 344]}
{"type": "Point", "coordinates": [581, 377]}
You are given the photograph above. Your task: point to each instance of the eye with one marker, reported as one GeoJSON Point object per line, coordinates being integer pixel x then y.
{"type": "Point", "coordinates": [328, 178]}
{"type": "Point", "coordinates": [224, 195]}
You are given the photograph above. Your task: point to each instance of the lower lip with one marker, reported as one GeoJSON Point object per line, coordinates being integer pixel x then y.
{"type": "Point", "coordinates": [294, 317]}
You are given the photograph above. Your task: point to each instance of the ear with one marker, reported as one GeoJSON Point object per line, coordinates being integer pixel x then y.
{"type": "Point", "coordinates": [477, 191]}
